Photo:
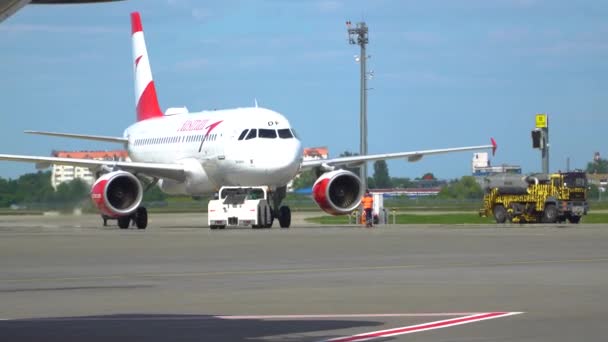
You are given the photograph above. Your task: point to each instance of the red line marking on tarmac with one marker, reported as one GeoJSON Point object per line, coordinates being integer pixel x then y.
{"type": "Point", "coordinates": [422, 327]}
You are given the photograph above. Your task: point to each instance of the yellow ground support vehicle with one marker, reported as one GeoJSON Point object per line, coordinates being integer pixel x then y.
{"type": "Point", "coordinates": [539, 198]}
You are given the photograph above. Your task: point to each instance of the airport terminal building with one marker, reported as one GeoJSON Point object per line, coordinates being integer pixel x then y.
{"type": "Point", "coordinates": [66, 173]}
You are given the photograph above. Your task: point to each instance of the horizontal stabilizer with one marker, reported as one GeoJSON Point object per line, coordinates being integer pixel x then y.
{"type": "Point", "coordinates": [82, 136]}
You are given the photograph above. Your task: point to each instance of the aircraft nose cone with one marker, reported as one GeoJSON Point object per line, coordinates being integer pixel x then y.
{"type": "Point", "coordinates": [283, 158]}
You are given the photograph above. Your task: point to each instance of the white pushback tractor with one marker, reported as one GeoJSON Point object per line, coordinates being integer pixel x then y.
{"type": "Point", "coordinates": [240, 206]}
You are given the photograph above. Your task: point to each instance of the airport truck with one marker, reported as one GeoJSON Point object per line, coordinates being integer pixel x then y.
{"type": "Point", "coordinates": [240, 206]}
{"type": "Point", "coordinates": [538, 198]}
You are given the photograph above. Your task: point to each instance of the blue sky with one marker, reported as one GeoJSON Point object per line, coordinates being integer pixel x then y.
{"type": "Point", "coordinates": [447, 73]}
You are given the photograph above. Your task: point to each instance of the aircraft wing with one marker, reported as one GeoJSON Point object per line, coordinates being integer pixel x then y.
{"type": "Point", "coordinates": [410, 156]}
{"type": "Point", "coordinates": [81, 136]}
{"type": "Point", "coordinates": [171, 171]}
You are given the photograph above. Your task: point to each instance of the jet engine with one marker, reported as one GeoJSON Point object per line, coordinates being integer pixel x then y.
{"type": "Point", "coordinates": [338, 192]}
{"type": "Point", "coordinates": [117, 193]}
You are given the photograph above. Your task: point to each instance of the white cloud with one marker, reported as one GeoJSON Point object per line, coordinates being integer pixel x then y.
{"type": "Point", "coordinates": [329, 5]}
{"type": "Point", "coordinates": [421, 37]}
{"type": "Point", "coordinates": [201, 13]}
{"type": "Point", "coordinates": [193, 64]}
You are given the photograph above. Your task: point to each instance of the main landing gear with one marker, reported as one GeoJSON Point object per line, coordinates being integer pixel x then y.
{"type": "Point", "coordinates": [138, 219]}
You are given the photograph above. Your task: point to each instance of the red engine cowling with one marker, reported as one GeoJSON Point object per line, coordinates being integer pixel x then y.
{"type": "Point", "coordinates": [338, 192]}
{"type": "Point", "coordinates": [117, 193]}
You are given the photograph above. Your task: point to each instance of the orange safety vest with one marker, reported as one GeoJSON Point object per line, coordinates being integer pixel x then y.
{"type": "Point", "coordinates": [368, 202]}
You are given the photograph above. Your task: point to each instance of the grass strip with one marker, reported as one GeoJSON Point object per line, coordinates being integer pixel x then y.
{"type": "Point", "coordinates": [460, 218]}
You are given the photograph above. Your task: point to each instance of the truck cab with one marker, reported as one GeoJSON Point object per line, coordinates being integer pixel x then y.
{"type": "Point", "coordinates": [240, 207]}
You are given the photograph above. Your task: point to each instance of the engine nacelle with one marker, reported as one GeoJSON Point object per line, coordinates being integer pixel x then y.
{"type": "Point", "coordinates": [117, 193]}
{"type": "Point", "coordinates": [338, 192]}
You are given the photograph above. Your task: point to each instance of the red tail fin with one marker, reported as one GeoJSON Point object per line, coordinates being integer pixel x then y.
{"type": "Point", "coordinates": [145, 92]}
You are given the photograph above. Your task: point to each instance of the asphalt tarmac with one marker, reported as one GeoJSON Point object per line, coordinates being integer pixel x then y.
{"type": "Point", "coordinates": [66, 278]}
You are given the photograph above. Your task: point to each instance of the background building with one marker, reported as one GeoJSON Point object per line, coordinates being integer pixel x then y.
{"type": "Point", "coordinates": [67, 173]}
{"type": "Point", "coordinates": [481, 166]}
{"type": "Point", "coordinates": [313, 153]}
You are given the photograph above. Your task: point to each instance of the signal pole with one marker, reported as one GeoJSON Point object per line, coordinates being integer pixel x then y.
{"type": "Point", "coordinates": [358, 36]}
{"type": "Point", "coordinates": [540, 139]}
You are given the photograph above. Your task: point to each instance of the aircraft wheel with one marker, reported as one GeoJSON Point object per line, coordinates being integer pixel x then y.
{"type": "Point", "coordinates": [141, 218]}
{"type": "Point", "coordinates": [574, 219]}
{"type": "Point", "coordinates": [124, 221]}
{"type": "Point", "coordinates": [284, 216]}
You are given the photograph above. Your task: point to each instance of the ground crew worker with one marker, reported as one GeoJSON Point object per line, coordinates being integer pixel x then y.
{"type": "Point", "coordinates": [368, 205]}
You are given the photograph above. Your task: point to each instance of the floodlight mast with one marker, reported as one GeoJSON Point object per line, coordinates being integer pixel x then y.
{"type": "Point", "coordinates": [358, 35]}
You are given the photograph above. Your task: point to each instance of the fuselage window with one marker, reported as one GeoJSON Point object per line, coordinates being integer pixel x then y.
{"type": "Point", "coordinates": [252, 134]}
{"type": "Point", "coordinates": [267, 133]}
{"type": "Point", "coordinates": [285, 133]}
{"type": "Point", "coordinates": [243, 133]}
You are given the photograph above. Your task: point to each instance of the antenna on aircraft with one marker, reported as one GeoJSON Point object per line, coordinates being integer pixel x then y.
{"type": "Point", "coordinates": [255, 101]}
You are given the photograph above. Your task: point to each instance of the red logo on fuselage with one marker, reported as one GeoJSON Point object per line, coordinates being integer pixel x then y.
{"type": "Point", "coordinates": [193, 125]}
{"type": "Point", "coordinates": [209, 129]}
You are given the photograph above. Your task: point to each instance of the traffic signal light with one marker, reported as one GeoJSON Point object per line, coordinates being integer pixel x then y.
{"type": "Point", "coordinates": [537, 138]}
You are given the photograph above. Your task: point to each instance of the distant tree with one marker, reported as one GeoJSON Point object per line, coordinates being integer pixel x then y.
{"type": "Point", "coordinates": [464, 188]}
{"type": "Point", "coordinates": [403, 183]}
{"type": "Point", "coordinates": [154, 194]}
{"type": "Point", "coordinates": [599, 166]}
{"type": "Point", "coordinates": [428, 176]}
{"type": "Point", "coordinates": [304, 180]}
{"type": "Point", "coordinates": [7, 196]}
{"type": "Point", "coordinates": [371, 183]}
{"type": "Point", "coordinates": [72, 192]}
{"type": "Point", "coordinates": [354, 170]}
{"type": "Point", "coordinates": [593, 192]}
{"type": "Point", "coordinates": [34, 187]}
{"type": "Point", "coordinates": [381, 177]}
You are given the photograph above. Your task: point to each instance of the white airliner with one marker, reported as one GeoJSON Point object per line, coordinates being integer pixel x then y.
{"type": "Point", "coordinates": [197, 153]}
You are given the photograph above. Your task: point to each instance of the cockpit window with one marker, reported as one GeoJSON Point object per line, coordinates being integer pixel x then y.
{"type": "Point", "coordinates": [252, 134]}
{"type": "Point", "coordinates": [285, 133]}
{"type": "Point", "coordinates": [295, 134]}
{"type": "Point", "coordinates": [242, 136]}
{"type": "Point", "coordinates": [268, 133]}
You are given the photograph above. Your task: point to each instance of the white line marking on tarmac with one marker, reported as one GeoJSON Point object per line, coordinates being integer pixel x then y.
{"type": "Point", "coordinates": [440, 314]}
{"type": "Point", "coordinates": [235, 317]}
{"type": "Point", "coordinates": [422, 327]}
